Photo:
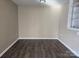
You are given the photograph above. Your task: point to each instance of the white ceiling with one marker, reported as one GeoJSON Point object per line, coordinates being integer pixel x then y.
{"type": "Point", "coordinates": [26, 2]}
{"type": "Point", "coordinates": [33, 2]}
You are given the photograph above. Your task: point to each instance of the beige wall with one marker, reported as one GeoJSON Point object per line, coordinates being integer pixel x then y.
{"type": "Point", "coordinates": [69, 37]}
{"type": "Point", "coordinates": [8, 23]}
{"type": "Point", "coordinates": [38, 22]}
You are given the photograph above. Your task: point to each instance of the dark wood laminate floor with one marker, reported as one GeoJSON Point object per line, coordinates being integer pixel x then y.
{"type": "Point", "coordinates": [38, 49]}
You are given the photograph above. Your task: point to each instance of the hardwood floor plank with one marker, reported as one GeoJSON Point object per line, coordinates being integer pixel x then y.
{"type": "Point", "coordinates": [38, 49]}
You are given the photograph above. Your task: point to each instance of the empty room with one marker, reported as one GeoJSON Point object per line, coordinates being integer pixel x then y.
{"type": "Point", "coordinates": [39, 28]}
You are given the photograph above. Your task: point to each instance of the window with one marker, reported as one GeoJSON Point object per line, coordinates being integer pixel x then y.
{"type": "Point", "coordinates": [73, 18]}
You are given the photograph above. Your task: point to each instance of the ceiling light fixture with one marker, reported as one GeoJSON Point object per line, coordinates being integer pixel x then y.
{"type": "Point", "coordinates": [53, 3]}
{"type": "Point", "coordinates": [42, 1]}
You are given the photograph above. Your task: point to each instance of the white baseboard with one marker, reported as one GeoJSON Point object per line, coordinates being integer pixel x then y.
{"type": "Point", "coordinates": [74, 52]}
{"type": "Point", "coordinates": [37, 38]}
{"type": "Point", "coordinates": [8, 47]}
